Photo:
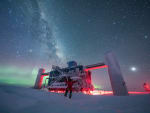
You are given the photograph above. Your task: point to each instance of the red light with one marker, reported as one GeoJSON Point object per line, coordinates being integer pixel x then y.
{"type": "Point", "coordinates": [57, 91]}
{"type": "Point", "coordinates": [135, 92]}
{"type": "Point", "coordinates": [98, 67]}
{"type": "Point", "coordinates": [146, 87]}
{"type": "Point", "coordinates": [41, 80]}
{"type": "Point", "coordinates": [98, 92]}
{"type": "Point", "coordinates": [101, 92]}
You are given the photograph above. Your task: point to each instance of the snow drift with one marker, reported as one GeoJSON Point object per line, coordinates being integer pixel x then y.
{"type": "Point", "coordinates": [17, 99]}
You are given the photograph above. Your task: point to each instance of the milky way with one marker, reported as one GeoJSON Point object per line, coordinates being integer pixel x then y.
{"type": "Point", "coordinates": [43, 31]}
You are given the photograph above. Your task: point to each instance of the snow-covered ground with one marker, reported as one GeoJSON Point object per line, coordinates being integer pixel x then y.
{"type": "Point", "coordinates": [15, 99]}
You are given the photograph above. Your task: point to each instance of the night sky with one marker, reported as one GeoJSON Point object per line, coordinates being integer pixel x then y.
{"type": "Point", "coordinates": [42, 33]}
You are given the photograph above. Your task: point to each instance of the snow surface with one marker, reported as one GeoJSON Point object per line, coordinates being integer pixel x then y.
{"type": "Point", "coordinates": [15, 99]}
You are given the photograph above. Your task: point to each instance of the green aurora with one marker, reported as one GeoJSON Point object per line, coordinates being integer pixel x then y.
{"type": "Point", "coordinates": [17, 76]}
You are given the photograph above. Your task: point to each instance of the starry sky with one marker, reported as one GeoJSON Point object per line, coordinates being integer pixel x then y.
{"type": "Point", "coordinates": [42, 33]}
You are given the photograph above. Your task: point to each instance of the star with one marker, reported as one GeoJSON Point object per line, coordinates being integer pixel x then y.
{"type": "Point", "coordinates": [18, 54]}
{"type": "Point", "coordinates": [89, 20]}
{"type": "Point", "coordinates": [30, 50]}
{"type": "Point", "coordinates": [145, 36]}
{"type": "Point", "coordinates": [133, 69]}
{"type": "Point", "coordinates": [10, 11]}
{"type": "Point", "coordinates": [114, 23]}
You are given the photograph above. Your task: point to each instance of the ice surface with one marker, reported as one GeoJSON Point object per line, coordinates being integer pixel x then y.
{"type": "Point", "coordinates": [15, 99]}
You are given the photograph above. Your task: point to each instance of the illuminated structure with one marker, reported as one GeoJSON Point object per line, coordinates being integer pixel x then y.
{"type": "Point", "coordinates": [82, 74]}
{"type": "Point", "coordinates": [146, 87]}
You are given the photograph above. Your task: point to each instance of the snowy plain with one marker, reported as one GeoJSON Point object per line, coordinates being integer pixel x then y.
{"type": "Point", "coordinates": [17, 99]}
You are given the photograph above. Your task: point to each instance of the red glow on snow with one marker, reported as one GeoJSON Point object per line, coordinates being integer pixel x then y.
{"type": "Point", "coordinates": [98, 92]}
{"type": "Point", "coordinates": [57, 91]}
{"type": "Point", "coordinates": [98, 67]}
{"type": "Point", "coordinates": [140, 93]}
{"type": "Point", "coordinates": [102, 92]}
